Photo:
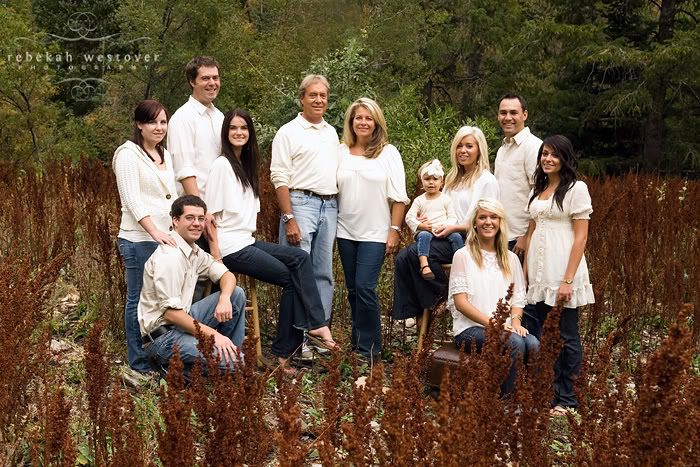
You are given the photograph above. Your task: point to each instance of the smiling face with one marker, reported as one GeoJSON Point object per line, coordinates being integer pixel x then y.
{"type": "Point", "coordinates": [511, 117]}
{"type": "Point", "coordinates": [190, 224]}
{"type": "Point", "coordinates": [467, 152]}
{"type": "Point", "coordinates": [487, 224]}
{"type": "Point", "coordinates": [550, 161]}
{"type": "Point", "coordinates": [154, 131]}
{"type": "Point", "coordinates": [314, 102]}
{"type": "Point", "coordinates": [206, 85]}
{"type": "Point", "coordinates": [363, 124]}
{"type": "Point", "coordinates": [238, 133]}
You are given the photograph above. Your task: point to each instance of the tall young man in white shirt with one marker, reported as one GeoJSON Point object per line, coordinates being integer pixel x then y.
{"type": "Point", "coordinates": [194, 133]}
{"type": "Point", "coordinates": [303, 171]}
{"type": "Point", "coordinates": [166, 313]}
{"type": "Point", "coordinates": [516, 162]}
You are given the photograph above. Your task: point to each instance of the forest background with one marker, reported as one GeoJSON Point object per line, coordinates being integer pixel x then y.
{"type": "Point", "coordinates": [620, 78]}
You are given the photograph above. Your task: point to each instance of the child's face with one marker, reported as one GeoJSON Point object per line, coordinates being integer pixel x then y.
{"type": "Point", "coordinates": [431, 184]}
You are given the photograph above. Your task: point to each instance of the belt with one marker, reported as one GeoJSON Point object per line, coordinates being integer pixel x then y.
{"type": "Point", "coordinates": [316, 195]}
{"type": "Point", "coordinates": [156, 333]}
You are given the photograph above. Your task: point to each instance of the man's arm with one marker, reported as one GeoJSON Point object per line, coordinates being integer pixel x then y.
{"type": "Point", "coordinates": [181, 319]}
{"type": "Point", "coordinates": [291, 227]}
{"type": "Point", "coordinates": [181, 147]}
{"type": "Point", "coordinates": [224, 310]}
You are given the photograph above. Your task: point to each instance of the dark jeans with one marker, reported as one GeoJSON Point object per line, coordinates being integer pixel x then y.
{"type": "Point", "coordinates": [518, 345]}
{"type": "Point", "coordinates": [300, 306]}
{"type": "Point", "coordinates": [423, 239]}
{"type": "Point", "coordinates": [568, 364]}
{"type": "Point", "coordinates": [362, 262]}
{"type": "Point", "coordinates": [135, 255]}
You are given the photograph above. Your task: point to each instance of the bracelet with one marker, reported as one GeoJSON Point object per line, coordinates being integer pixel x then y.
{"type": "Point", "coordinates": [396, 227]}
{"type": "Point", "coordinates": [568, 281]}
{"type": "Point", "coordinates": [518, 317]}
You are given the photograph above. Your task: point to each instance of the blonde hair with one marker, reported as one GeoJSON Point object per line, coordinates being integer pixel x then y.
{"type": "Point", "coordinates": [379, 137]}
{"type": "Point", "coordinates": [311, 79]}
{"type": "Point", "coordinates": [494, 206]}
{"type": "Point", "coordinates": [457, 176]}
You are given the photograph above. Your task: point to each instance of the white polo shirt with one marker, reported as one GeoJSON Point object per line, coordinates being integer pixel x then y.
{"type": "Point", "coordinates": [516, 162]}
{"type": "Point", "coordinates": [194, 141]}
{"type": "Point", "coordinates": [305, 157]}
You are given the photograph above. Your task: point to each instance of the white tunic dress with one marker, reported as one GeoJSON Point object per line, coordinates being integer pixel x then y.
{"type": "Point", "coordinates": [550, 247]}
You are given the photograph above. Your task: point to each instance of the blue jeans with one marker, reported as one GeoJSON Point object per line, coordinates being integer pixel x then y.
{"type": "Point", "coordinates": [568, 364]}
{"type": "Point", "coordinates": [317, 220]}
{"type": "Point", "coordinates": [300, 306]}
{"type": "Point", "coordinates": [203, 311]}
{"type": "Point", "coordinates": [423, 239]}
{"type": "Point", "coordinates": [518, 345]}
{"type": "Point", "coordinates": [135, 255]}
{"type": "Point", "coordinates": [362, 262]}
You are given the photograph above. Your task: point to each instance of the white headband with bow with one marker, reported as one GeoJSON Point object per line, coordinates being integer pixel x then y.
{"type": "Point", "coordinates": [434, 169]}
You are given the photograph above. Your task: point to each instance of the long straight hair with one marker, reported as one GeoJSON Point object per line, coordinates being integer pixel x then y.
{"type": "Point", "coordinates": [457, 176]}
{"type": "Point", "coordinates": [146, 112]}
{"type": "Point", "coordinates": [245, 169]}
{"type": "Point", "coordinates": [564, 151]}
{"type": "Point", "coordinates": [494, 206]}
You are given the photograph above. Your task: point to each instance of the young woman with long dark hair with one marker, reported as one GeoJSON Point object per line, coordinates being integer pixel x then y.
{"type": "Point", "coordinates": [560, 208]}
{"type": "Point", "coordinates": [232, 197]}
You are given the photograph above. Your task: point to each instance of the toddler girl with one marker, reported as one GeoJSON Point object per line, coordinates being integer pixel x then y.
{"type": "Point", "coordinates": [429, 211]}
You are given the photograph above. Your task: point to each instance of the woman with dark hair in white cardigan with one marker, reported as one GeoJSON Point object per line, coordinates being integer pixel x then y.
{"type": "Point", "coordinates": [146, 183]}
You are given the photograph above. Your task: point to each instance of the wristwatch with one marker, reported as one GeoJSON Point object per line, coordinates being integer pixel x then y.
{"type": "Point", "coordinates": [568, 281]}
{"type": "Point", "coordinates": [287, 217]}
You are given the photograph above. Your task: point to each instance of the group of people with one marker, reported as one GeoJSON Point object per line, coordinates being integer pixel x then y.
{"type": "Point", "coordinates": [189, 212]}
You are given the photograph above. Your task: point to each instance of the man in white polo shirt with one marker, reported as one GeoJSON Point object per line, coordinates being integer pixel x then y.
{"type": "Point", "coordinates": [194, 131]}
{"type": "Point", "coordinates": [516, 162]}
{"type": "Point", "coordinates": [303, 171]}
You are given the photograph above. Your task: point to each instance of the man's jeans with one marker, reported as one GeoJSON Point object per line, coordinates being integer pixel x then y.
{"type": "Point", "coordinates": [317, 220]}
{"type": "Point", "coordinates": [519, 346]}
{"type": "Point", "coordinates": [362, 262]}
{"type": "Point", "coordinates": [203, 311]}
{"type": "Point", "coordinates": [423, 239]}
{"type": "Point", "coordinates": [135, 255]}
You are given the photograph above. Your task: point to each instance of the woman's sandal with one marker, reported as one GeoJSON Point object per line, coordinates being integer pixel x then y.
{"type": "Point", "coordinates": [323, 343]}
{"type": "Point", "coordinates": [558, 411]}
{"type": "Point", "coordinates": [427, 275]}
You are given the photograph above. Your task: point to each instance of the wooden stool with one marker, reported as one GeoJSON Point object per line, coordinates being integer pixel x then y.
{"type": "Point", "coordinates": [426, 312]}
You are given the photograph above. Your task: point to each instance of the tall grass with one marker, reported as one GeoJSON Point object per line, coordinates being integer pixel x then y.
{"type": "Point", "coordinates": [639, 390]}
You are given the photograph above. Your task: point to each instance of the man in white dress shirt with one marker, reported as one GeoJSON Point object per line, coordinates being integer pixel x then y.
{"type": "Point", "coordinates": [516, 162]}
{"type": "Point", "coordinates": [194, 130]}
{"type": "Point", "coordinates": [303, 171]}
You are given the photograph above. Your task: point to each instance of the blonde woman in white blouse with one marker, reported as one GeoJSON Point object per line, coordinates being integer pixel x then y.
{"type": "Point", "coordinates": [146, 183]}
{"type": "Point", "coordinates": [481, 274]}
{"type": "Point", "coordinates": [371, 203]}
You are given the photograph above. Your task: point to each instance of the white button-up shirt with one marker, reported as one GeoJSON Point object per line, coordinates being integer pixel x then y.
{"type": "Point", "coordinates": [516, 162]}
{"type": "Point", "coordinates": [169, 278]}
{"type": "Point", "coordinates": [305, 157]}
{"type": "Point", "coordinates": [194, 141]}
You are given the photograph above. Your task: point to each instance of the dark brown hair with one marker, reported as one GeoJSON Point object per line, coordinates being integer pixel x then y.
{"type": "Point", "coordinates": [146, 112]}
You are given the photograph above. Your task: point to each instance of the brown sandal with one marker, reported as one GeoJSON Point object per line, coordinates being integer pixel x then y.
{"type": "Point", "coordinates": [427, 275]}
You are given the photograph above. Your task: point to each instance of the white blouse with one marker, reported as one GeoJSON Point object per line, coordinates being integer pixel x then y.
{"type": "Point", "coordinates": [550, 247]}
{"type": "Point", "coordinates": [366, 187]}
{"type": "Point", "coordinates": [235, 211]}
{"type": "Point", "coordinates": [144, 190]}
{"type": "Point", "coordinates": [464, 198]}
{"type": "Point", "coordinates": [484, 286]}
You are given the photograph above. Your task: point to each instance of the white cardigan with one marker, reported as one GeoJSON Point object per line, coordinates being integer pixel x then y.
{"type": "Point", "coordinates": [144, 190]}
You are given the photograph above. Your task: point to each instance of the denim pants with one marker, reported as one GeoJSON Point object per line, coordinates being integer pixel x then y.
{"type": "Point", "coordinates": [203, 311]}
{"type": "Point", "coordinates": [423, 239]}
{"type": "Point", "coordinates": [135, 255]}
{"type": "Point", "coordinates": [568, 364]}
{"type": "Point", "coordinates": [518, 345]}
{"type": "Point", "coordinates": [300, 306]}
{"type": "Point", "coordinates": [362, 262]}
{"type": "Point", "coordinates": [317, 220]}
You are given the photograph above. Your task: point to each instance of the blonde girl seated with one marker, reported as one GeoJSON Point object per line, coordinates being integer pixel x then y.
{"type": "Point", "coordinates": [430, 211]}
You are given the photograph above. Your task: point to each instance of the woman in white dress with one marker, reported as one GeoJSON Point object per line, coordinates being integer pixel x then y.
{"type": "Point", "coordinates": [146, 183]}
{"type": "Point", "coordinates": [481, 274]}
{"type": "Point", "coordinates": [232, 197]}
{"type": "Point", "coordinates": [371, 203]}
{"type": "Point", "coordinates": [560, 208]}
{"type": "Point", "coordinates": [468, 181]}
